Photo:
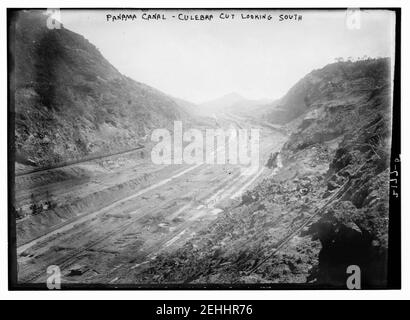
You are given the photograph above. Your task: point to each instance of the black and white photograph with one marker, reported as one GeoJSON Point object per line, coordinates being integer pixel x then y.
{"type": "Point", "coordinates": [204, 148]}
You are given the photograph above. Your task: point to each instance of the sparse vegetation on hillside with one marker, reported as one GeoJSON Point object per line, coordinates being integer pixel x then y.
{"type": "Point", "coordinates": [326, 209]}
{"type": "Point", "coordinates": [337, 82]}
{"type": "Point", "coordinates": [71, 102]}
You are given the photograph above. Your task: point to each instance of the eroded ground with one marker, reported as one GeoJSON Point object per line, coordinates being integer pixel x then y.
{"type": "Point", "coordinates": [113, 215]}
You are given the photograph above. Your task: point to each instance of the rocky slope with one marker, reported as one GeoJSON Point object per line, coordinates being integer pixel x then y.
{"type": "Point", "coordinates": [326, 209]}
{"type": "Point", "coordinates": [341, 81]}
{"type": "Point", "coordinates": [70, 102]}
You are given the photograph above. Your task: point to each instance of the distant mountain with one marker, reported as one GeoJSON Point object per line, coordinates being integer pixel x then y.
{"type": "Point", "coordinates": [220, 103]}
{"type": "Point", "coordinates": [252, 108]}
{"type": "Point", "coordinates": [71, 102]}
{"type": "Point", "coordinates": [232, 102]}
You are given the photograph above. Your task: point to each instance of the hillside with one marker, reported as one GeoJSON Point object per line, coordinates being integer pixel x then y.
{"type": "Point", "coordinates": [70, 102]}
{"type": "Point", "coordinates": [341, 81]}
{"type": "Point", "coordinates": [325, 209]}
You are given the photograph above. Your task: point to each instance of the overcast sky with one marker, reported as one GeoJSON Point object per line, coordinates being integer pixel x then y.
{"type": "Point", "coordinates": [202, 60]}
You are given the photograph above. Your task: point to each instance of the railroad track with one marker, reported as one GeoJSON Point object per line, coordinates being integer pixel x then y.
{"type": "Point", "coordinates": [87, 216]}
{"type": "Point", "coordinates": [207, 199]}
{"type": "Point", "coordinates": [73, 256]}
{"type": "Point", "coordinates": [70, 163]}
{"type": "Point", "coordinates": [66, 261]}
{"type": "Point", "coordinates": [281, 243]}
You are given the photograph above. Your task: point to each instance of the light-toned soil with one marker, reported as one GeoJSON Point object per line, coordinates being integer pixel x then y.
{"type": "Point", "coordinates": [115, 214]}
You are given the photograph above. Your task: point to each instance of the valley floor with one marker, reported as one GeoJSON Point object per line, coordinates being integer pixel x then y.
{"type": "Point", "coordinates": [111, 217]}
